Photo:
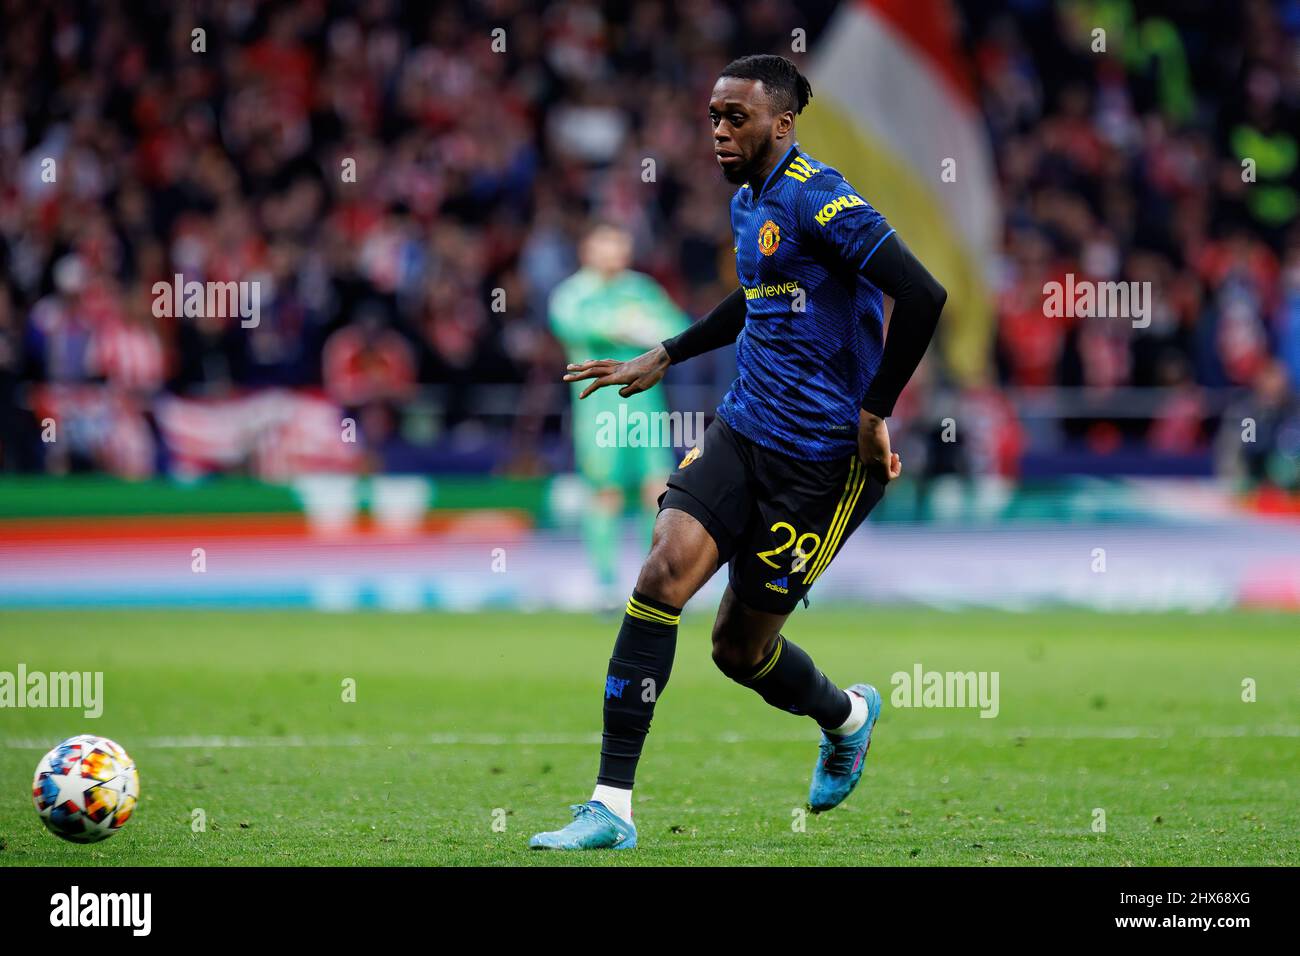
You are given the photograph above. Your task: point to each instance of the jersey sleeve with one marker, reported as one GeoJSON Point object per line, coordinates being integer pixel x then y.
{"type": "Point", "coordinates": [841, 222]}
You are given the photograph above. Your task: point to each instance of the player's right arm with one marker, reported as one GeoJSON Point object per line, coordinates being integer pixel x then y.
{"type": "Point", "coordinates": [720, 327]}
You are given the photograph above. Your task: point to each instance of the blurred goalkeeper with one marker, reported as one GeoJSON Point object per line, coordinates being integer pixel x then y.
{"type": "Point", "coordinates": [607, 309]}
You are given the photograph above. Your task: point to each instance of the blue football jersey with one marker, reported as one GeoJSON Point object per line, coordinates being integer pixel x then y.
{"type": "Point", "coordinates": [814, 325]}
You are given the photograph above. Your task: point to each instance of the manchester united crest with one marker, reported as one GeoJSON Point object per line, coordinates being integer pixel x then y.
{"type": "Point", "coordinates": [769, 237]}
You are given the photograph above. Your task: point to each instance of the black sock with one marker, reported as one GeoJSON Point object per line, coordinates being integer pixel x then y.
{"type": "Point", "coordinates": [789, 680]}
{"type": "Point", "coordinates": [638, 673]}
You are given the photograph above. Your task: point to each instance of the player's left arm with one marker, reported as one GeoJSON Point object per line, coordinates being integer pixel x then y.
{"type": "Point", "coordinates": [850, 231]}
{"type": "Point", "coordinates": [918, 302]}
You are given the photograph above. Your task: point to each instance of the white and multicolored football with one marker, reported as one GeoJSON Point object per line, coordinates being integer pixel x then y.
{"type": "Point", "coordinates": [86, 789]}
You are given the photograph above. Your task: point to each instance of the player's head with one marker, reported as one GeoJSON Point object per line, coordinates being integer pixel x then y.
{"type": "Point", "coordinates": [607, 249]}
{"type": "Point", "coordinates": [752, 109]}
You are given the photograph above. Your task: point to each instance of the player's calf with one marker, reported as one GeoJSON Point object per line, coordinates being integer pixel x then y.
{"type": "Point", "coordinates": [748, 648]}
{"type": "Point", "coordinates": [677, 567]}
{"type": "Point", "coordinates": [682, 558]}
{"type": "Point", "coordinates": [638, 673]}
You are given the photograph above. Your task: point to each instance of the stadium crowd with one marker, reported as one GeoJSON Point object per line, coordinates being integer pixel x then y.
{"type": "Point", "coordinates": [413, 292]}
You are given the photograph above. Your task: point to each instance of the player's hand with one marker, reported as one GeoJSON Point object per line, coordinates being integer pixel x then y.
{"type": "Point", "coordinates": [635, 375]}
{"type": "Point", "coordinates": [873, 448]}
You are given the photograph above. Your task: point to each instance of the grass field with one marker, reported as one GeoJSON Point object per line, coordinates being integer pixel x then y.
{"type": "Point", "coordinates": [458, 716]}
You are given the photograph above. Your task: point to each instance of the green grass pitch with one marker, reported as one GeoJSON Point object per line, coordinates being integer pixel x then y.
{"type": "Point", "coordinates": [471, 732]}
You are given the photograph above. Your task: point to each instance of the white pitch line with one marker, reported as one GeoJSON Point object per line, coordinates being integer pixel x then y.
{"type": "Point", "coordinates": [221, 742]}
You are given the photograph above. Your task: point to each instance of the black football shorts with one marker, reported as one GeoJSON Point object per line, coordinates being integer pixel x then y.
{"type": "Point", "coordinates": [777, 521]}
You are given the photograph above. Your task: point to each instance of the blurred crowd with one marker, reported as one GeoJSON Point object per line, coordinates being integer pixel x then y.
{"type": "Point", "coordinates": [1173, 160]}
{"type": "Point", "coordinates": [407, 186]}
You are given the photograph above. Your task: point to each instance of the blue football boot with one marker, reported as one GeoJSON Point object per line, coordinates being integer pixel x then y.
{"type": "Point", "coordinates": [594, 827]}
{"type": "Point", "coordinates": [840, 759]}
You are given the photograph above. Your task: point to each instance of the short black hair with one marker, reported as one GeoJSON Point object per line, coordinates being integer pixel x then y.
{"type": "Point", "coordinates": [787, 88]}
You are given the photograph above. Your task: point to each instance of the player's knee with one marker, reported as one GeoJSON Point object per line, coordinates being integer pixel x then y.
{"type": "Point", "coordinates": [727, 659]}
{"type": "Point", "coordinates": [662, 577]}
{"type": "Point", "coordinates": [736, 654]}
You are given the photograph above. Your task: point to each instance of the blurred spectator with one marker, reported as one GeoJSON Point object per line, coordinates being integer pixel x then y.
{"type": "Point", "coordinates": [388, 177]}
{"type": "Point", "coordinates": [1259, 442]}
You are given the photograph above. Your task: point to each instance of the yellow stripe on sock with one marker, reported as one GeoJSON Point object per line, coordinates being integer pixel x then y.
{"type": "Point", "coordinates": [646, 612]}
{"type": "Point", "coordinates": [642, 615]}
{"type": "Point", "coordinates": [780, 643]}
{"type": "Point", "coordinates": [667, 618]}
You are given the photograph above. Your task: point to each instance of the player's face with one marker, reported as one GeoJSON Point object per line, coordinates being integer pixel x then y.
{"type": "Point", "coordinates": [746, 130]}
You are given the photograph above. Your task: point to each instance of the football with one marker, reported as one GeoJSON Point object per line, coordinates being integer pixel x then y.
{"type": "Point", "coordinates": [86, 789]}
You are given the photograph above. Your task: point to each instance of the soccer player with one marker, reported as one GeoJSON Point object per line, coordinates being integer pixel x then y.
{"type": "Point", "coordinates": [605, 308]}
{"type": "Point", "coordinates": [796, 457]}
